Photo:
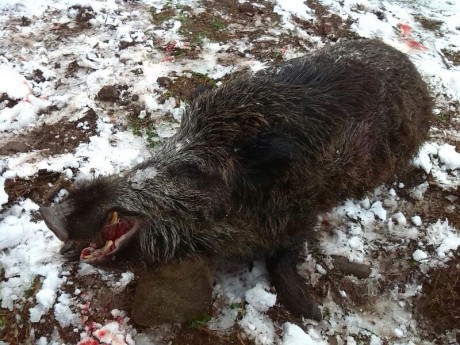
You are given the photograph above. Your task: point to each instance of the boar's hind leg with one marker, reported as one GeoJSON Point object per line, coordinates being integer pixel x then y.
{"type": "Point", "coordinates": [290, 286]}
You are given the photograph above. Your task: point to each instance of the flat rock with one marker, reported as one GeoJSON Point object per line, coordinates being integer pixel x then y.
{"type": "Point", "coordinates": [348, 267]}
{"type": "Point", "coordinates": [175, 292]}
{"type": "Point", "coordinates": [13, 147]}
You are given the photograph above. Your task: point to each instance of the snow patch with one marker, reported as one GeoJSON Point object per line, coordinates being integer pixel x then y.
{"type": "Point", "coordinates": [294, 335]}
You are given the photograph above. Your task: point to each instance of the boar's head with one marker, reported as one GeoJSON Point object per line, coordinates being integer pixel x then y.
{"type": "Point", "coordinates": [163, 203]}
{"type": "Point", "coordinates": [90, 213]}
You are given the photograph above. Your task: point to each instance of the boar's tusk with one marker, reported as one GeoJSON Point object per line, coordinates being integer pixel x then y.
{"type": "Point", "coordinates": [52, 220]}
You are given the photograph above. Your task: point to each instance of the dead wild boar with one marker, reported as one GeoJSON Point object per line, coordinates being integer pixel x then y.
{"type": "Point", "coordinates": [256, 160]}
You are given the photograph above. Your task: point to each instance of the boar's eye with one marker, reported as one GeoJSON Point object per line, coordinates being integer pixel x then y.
{"type": "Point", "coordinates": [186, 170]}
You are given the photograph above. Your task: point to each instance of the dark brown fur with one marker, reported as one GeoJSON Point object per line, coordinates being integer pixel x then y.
{"type": "Point", "coordinates": [256, 160]}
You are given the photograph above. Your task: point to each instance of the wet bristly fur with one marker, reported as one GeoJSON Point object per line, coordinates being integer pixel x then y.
{"type": "Point", "coordinates": [256, 160]}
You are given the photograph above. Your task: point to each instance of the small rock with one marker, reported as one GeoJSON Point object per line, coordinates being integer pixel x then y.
{"type": "Point", "coordinates": [347, 267]}
{"type": "Point", "coordinates": [176, 292]}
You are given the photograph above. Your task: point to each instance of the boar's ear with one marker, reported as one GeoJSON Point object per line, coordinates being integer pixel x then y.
{"type": "Point", "coordinates": [55, 219]}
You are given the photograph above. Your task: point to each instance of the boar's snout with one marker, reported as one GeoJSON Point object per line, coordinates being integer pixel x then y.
{"type": "Point", "coordinates": [54, 219]}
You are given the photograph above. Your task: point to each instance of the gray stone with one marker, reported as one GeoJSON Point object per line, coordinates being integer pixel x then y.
{"type": "Point", "coordinates": [175, 292]}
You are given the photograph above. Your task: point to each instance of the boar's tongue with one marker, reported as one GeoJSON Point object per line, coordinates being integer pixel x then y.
{"type": "Point", "coordinates": [54, 217]}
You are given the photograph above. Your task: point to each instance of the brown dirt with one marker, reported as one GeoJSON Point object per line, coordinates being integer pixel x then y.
{"type": "Point", "coordinates": [438, 307]}
{"type": "Point", "coordinates": [452, 56]}
{"type": "Point", "coordinates": [81, 22]}
{"type": "Point", "coordinates": [54, 139]}
{"type": "Point", "coordinates": [429, 24]}
{"type": "Point", "coordinates": [357, 294]}
{"type": "Point", "coordinates": [203, 336]}
{"type": "Point", "coordinates": [36, 188]}
{"type": "Point", "coordinates": [327, 25]}
{"type": "Point", "coordinates": [108, 93]}
{"type": "Point", "coordinates": [58, 138]}
{"type": "Point", "coordinates": [222, 21]}
{"type": "Point", "coordinates": [6, 101]}
{"type": "Point", "coordinates": [434, 205]}
{"type": "Point", "coordinates": [185, 88]}
{"type": "Point", "coordinates": [72, 69]}
{"type": "Point", "coordinates": [117, 94]}
{"type": "Point", "coordinates": [84, 14]}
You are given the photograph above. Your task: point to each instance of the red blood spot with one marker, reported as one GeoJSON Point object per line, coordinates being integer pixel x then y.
{"type": "Point", "coordinates": [119, 319]}
{"type": "Point", "coordinates": [325, 222]}
{"type": "Point", "coordinates": [405, 29]}
{"type": "Point", "coordinates": [100, 333]}
{"type": "Point", "coordinates": [415, 45]}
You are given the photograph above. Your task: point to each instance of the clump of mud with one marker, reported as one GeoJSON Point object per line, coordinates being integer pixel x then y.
{"type": "Point", "coordinates": [438, 308]}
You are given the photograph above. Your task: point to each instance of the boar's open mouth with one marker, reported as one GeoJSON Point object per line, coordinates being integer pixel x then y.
{"type": "Point", "coordinates": [116, 233]}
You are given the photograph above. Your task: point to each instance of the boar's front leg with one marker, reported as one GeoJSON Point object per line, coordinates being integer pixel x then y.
{"type": "Point", "coordinates": [290, 286]}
